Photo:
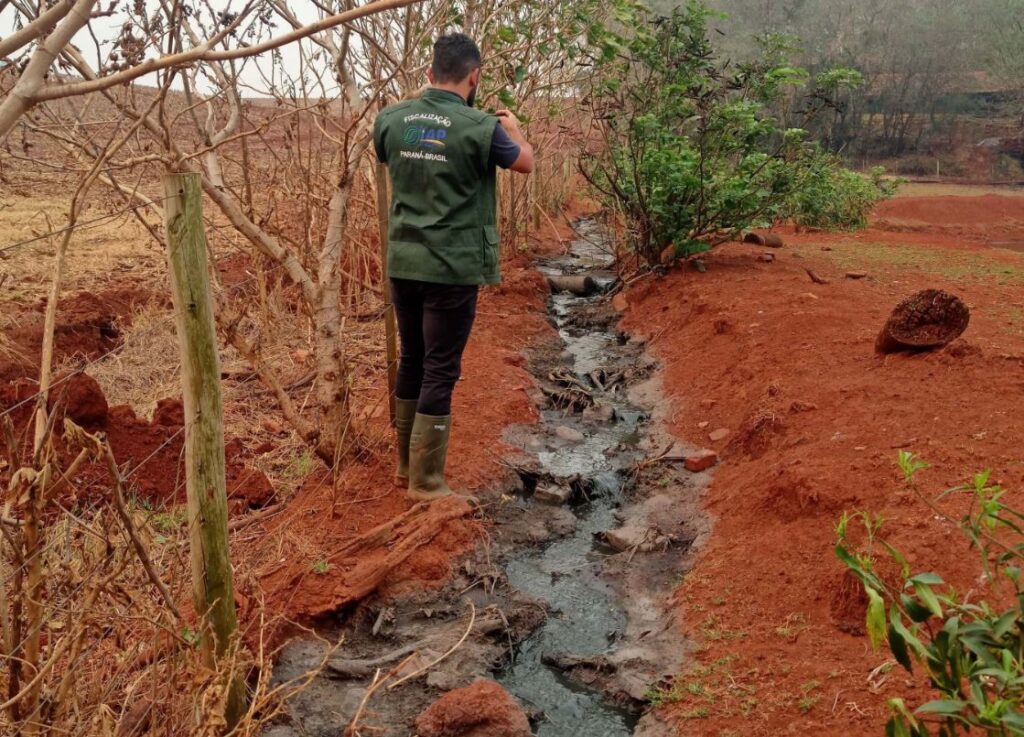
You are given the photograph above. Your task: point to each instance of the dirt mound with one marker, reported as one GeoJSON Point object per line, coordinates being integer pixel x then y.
{"type": "Point", "coordinates": [169, 413]}
{"type": "Point", "coordinates": [81, 398]}
{"type": "Point", "coordinates": [154, 450]}
{"type": "Point", "coordinates": [88, 325]}
{"type": "Point", "coordinates": [990, 213]}
{"type": "Point", "coordinates": [362, 564]}
{"type": "Point", "coordinates": [149, 452]}
{"type": "Point", "coordinates": [483, 709]}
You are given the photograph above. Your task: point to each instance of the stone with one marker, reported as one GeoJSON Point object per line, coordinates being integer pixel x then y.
{"type": "Point", "coordinates": [707, 403]}
{"type": "Point", "coordinates": [569, 434]}
{"type": "Point", "coordinates": [599, 413]}
{"type": "Point", "coordinates": [700, 461]}
{"type": "Point", "coordinates": [630, 537]}
{"type": "Point", "coordinates": [703, 425]}
{"type": "Point", "coordinates": [718, 435]}
{"type": "Point", "coordinates": [856, 274]}
{"type": "Point", "coordinates": [620, 303]}
{"type": "Point", "coordinates": [566, 356]}
{"type": "Point", "coordinates": [768, 258]}
{"type": "Point", "coordinates": [553, 494]}
{"type": "Point", "coordinates": [482, 709]}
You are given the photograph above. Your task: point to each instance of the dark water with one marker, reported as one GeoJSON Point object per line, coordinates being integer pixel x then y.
{"type": "Point", "coordinates": [586, 615]}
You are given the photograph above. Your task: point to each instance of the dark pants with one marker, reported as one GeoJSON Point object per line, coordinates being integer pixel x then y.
{"type": "Point", "coordinates": [434, 322]}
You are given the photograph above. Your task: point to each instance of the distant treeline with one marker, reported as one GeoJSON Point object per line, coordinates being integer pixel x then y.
{"type": "Point", "coordinates": [935, 72]}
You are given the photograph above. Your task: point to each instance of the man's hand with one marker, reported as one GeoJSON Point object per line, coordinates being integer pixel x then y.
{"type": "Point", "coordinates": [510, 123]}
{"type": "Point", "coordinates": [508, 120]}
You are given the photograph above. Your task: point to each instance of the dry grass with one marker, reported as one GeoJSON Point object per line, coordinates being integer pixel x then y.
{"type": "Point", "coordinates": [147, 367]}
{"type": "Point", "coordinates": [116, 249]}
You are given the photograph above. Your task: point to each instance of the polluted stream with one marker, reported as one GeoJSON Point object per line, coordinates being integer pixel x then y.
{"type": "Point", "coordinates": [572, 591]}
{"type": "Point", "coordinates": [566, 576]}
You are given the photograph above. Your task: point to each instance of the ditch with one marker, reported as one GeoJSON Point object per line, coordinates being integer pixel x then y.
{"type": "Point", "coordinates": [572, 594]}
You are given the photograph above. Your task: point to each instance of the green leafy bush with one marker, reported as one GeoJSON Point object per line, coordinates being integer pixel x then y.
{"type": "Point", "coordinates": [972, 652]}
{"type": "Point", "coordinates": [690, 152]}
{"type": "Point", "coordinates": [833, 198]}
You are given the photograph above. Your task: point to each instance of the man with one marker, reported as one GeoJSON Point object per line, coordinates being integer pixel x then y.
{"type": "Point", "coordinates": [442, 156]}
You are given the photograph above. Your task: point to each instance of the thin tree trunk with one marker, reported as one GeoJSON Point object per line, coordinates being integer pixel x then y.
{"type": "Point", "coordinates": [212, 585]}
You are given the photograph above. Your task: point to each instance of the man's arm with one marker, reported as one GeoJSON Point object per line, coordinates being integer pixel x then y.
{"type": "Point", "coordinates": [508, 121]}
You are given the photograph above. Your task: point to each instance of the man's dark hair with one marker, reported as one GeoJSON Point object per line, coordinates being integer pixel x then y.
{"type": "Point", "coordinates": [455, 56]}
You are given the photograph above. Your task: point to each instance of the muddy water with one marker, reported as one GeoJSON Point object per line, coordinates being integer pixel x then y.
{"type": "Point", "coordinates": [587, 616]}
{"type": "Point", "coordinates": [577, 629]}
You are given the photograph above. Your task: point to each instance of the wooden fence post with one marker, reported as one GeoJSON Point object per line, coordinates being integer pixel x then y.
{"type": "Point", "coordinates": [212, 587]}
{"type": "Point", "coordinates": [390, 329]}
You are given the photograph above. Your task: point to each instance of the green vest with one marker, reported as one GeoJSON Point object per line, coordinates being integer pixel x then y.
{"type": "Point", "coordinates": [443, 225]}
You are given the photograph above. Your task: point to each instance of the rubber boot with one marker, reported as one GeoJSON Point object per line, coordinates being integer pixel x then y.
{"type": "Point", "coordinates": [428, 451]}
{"type": "Point", "coordinates": [405, 414]}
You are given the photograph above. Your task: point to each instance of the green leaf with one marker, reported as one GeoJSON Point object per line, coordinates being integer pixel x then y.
{"type": "Point", "coordinates": [875, 618]}
{"type": "Point", "coordinates": [944, 707]}
{"type": "Point", "coordinates": [928, 598]}
{"type": "Point", "coordinates": [900, 559]}
{"type": "Point", "coordinates": [929, 579]}
{"type": "Point", "coordinates": [912, 642]}
{"type": "Point", "coordinates": [916, 612]}
{"type": "Point", "coordinates": [1006, 623]}
{"type": "Point", "coordinates": [1014, 720]}
{"type": "Point", "coordinates": [898, 646]}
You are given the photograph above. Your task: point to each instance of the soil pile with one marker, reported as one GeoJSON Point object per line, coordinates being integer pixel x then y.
{"type": "Point", "coordinates": [483, 709]}
{"type": "Point", "coordinates": [148, 451]}
{"type": "Point", "coordinates": [89, 324]}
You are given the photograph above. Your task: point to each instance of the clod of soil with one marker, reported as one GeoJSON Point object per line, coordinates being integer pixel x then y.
{"type": "Point", "coordinates": [82, 399]}
{"type": "Point", "coordinates": [169, 413]}
{"type": "Point", "coordinates": [483, 709]}
{"type": "Point", "coordinates": [702, 460]}
{"type": "Point", "coordinates": [928, 319]}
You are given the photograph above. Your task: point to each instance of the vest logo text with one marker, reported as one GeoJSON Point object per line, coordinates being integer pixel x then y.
{"type": "Point", "coordinates": [425, 139]}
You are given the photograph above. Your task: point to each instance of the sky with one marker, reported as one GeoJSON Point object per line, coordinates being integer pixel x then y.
{"type": "Point", "coordinates": [106, 30]}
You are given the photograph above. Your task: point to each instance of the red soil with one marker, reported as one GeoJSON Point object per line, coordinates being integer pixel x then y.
{"type": "Point", "coordinates": [985, 216]}
{"type": "Point", "coordinates": [816, 419]}
{"type": "Point", "coordinates": [89, 325]}
{"type": "Point", "coordinates": [321, 520]}
{"type": "Point", "coordinates": [483, 709]}
{"type": "Point", "coordinates": [150, 452]}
